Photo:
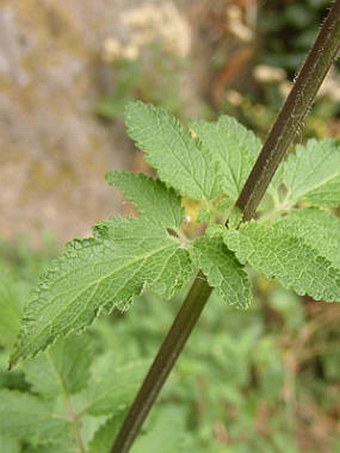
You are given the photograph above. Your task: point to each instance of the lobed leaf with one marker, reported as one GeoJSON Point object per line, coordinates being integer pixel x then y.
{"type": "Point", "coordinates": [177, 156]}
{"type": "Point", "coordinates": [223, 271]}
{"type": "Point", "coordinates": [319, 229]}
{"type": "Point", "coordinates": [98, 274]}
{"type": "Point", "coordinates": [166, 432]}
{"type": "Point", "coordinates": [103, 439]}
{"type": "Point", "coordinates": [63, 369]}
{"type": "Point", "coordinates": [152, 198]}
{"type": "Point", "coordinates": [313, 173]}
{"type": "Point", "coordinates": [112, 385]}
{"type": "Point", "coordinates": [234, 147]}
{"type": "Point", "coordinates": [24, 416]}
{"type": "Point", "coordinates": [272, 250]}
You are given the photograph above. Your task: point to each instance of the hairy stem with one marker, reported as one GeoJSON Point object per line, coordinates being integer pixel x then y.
{"type": "Point", "coordinates": [282, 134]}
{"type": "Point", "coordinates": [166, 357]}
{"type": "Point", "coordinates": [290, 119]}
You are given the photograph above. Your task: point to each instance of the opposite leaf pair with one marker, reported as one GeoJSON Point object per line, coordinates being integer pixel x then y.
{"type": "Point", "coordinates": [126, 254]}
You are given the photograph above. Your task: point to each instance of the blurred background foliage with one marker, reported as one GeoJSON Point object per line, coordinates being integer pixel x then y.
{"type": "Point", "coordinates": [264, 380]}
{"type": "Point", "coordinates": [252, 52]}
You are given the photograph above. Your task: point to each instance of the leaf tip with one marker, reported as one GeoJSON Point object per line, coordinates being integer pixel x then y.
{"type": "Point", "coordinates": [13, 361]}
{"type": "Point", "coordinates": [131, 106]}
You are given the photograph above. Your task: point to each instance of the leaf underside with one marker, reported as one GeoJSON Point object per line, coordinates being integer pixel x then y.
{"type": "Point", "coordinates": [223, 271]}
{"type": "Point", "coordinates": [318, 229]}
{"type": "Point", "coordinates": [98, 274]}
{"type": "Point", "coordinates": [125, 255]}
{"type": "Point", "coordinates": [150, 197]}
{"type": "Point", "coordinates": [272, 250]}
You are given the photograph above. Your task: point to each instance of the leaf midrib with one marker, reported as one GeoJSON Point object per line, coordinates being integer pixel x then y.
{"type": "Point", "coordinates": [65, 307]}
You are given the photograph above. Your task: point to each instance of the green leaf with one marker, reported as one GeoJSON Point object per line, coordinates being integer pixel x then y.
{"type": "Point", "coordinates": [165, 432]}
{"type": "Point", "coordinates": [313, 173]}
{"type": "Point", "coordinates": [63, 369]}
{"type": "Point", "coordinates": [233, 146]}
{"type": "Point", "coordinates": [223, 271]}
{"type": "Point", "coordinates": [319, 229]}
{"type": "Point", "coordinates": [112, 385]}
{"type": "Point", "coordinates": [270, 249]}
{"type": "Point", "coordinates": [103, 439]}
{"type": "Point", "coordinates": [151, 198]}
{"type": "Point", "coordinates": [66, 446]}
{"type": "Point", "coordinates": [9, 445]}
{"type": "Point", "coordinates": [89, 425]}
{"type": "Point", "coordinates": [10, 379]}
{"type": "Point", "coordinates": [171, 149]}
{"type": "Point", "coordinates": [97, 274]}
{"type": "Point", "coordinates": [24, 416]}
{"type": "Point", "coordinates": [10, 309]}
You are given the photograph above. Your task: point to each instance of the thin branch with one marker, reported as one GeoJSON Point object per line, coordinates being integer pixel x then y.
{"type": "Point", "coordinates": [282, 134]}
{"type": "Point", "coordinates": [290, 119]}
{"type": "Point", "coordinates": [163, 363]}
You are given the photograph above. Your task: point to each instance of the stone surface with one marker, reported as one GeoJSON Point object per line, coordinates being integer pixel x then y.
{"type": "Point", "coordinates": [54, 152]}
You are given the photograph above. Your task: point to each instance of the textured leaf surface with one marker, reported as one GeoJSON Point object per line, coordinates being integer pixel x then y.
{"type": "Point", "coordinates": [63, 369]}
{"type": "Point", "coordinates": [24, 416]}
{"type": "Point", "coordinates": [223, 271]}
{"type": "Point", "coordinates": [271, 250]}
{"type": "Point", "coordinates": [98, 274]}
{"type": "Point", "coordinates": [233, 146]}
{"type": "Point", "coordinates": [151, 197]}
{"type": "Point", "coordinates": [178, 157]}
{"type": "Point", "coordinates": [313, 173]}
{"type": "Point", "coordinates": [319, 229]}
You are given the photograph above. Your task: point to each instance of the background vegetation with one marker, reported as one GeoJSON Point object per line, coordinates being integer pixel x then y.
{"type": "Point", "coordinates": [262, 380]}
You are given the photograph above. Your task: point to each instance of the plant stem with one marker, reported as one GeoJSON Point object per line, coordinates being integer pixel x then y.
{"type": "Point", "coordinates": [290, 119]}
{"type": "Point", "coordinates": [282, 134]}
{"type": "Point", "coordinates": [168, 353]}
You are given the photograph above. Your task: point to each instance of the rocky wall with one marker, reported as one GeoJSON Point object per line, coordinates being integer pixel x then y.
{"type": "Point", "coordinates": [54, 151]}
